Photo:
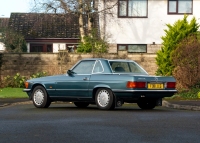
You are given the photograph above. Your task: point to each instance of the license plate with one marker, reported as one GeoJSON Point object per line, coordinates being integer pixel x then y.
{"type": "Point", "coordinates": [155, 86]}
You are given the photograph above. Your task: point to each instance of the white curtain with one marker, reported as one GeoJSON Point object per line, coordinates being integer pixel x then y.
{"type": "Point", "coordinates": [185, 6]}
{"type": "Point", "coordinates": [137, 8]}
{"type": "Point", "coordinates": [122, 8]}
{"type": "Point", "coordinates": [172, 6]}
{"type": "Point", "coordinates": [137, 48]}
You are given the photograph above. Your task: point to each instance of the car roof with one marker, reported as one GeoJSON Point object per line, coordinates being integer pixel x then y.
{"type": "Point", "coordinates": [124, 60]}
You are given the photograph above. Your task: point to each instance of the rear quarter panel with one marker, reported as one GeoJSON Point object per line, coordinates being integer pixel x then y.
{"type": "Point", "coordinates": [111, 81]}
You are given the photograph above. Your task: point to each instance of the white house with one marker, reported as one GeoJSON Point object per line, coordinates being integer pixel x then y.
{"type": "Point", "coordinates": [134, 26]}
{"type": "Point", "coordinates": [2, 47]}
{"type": "Point", "coordinates": [137, 25]}
{"type": "Point", "coordinates": [46, 32]}
{"type": "Point", "coordinates": [3, 24]}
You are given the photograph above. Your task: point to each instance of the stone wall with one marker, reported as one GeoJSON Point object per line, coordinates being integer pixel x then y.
{"type": "Point", "coordinates": [55, 63]}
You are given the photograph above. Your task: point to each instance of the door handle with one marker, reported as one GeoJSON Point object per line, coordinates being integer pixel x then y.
{"type": "Point", "coordinates": [85, 78]}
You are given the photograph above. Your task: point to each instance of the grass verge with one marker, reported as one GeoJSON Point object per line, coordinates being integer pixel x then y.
{"type": "Point", "coordinates": [12, 93]}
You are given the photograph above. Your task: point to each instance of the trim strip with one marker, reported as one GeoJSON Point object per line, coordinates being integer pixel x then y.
{"type": "Point", "coordinates": [118, 90]}
{"type": "Point", "coordinates": [77, 97]}
{"type": "Point", "coordinates": [72, 89]}
{"type": "Point", "coordinates": [51, 89]}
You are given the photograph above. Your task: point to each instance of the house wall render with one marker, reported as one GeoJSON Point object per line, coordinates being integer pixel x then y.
{"type": "Point", "coordinates": [140, 30]}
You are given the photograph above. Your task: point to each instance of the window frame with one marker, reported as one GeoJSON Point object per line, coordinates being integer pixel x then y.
{"type": "Point", "coordinates": [177, 13]}
{"type": "Point", "coordinates": [126, 49]}
{"type": "Point", "coordinates": [83, 71]}
{"type": "Point", "coordinates": [127, 10]}
{"type": "Point", "coordinates": [95, 65]}
{"type": "Point", "coordinates": [47, 48]}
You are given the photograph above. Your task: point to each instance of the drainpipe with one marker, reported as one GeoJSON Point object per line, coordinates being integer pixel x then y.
{"type": "Point", "coordinates": [104, 28]}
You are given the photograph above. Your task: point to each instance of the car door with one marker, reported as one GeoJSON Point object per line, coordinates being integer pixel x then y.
{"type": "Point", "coordinates": [75, 85]}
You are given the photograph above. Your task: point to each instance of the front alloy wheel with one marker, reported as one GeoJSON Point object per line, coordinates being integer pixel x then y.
{"type": "Point", "coordinates": [104, 99]}
{"type": "Point", "coordinates": [40, 97]}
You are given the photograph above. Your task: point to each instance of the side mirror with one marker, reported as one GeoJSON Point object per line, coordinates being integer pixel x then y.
{"type": "Point", "coordinates": [70, 72]}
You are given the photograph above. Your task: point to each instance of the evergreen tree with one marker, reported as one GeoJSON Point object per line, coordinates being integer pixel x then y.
{"type": "Point", "coordinates": [174, 34]}
{"type": "Point", "coordinates": [14, 42]}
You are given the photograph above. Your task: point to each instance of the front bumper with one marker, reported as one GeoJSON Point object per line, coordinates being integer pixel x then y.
{"type": "Point", "coordinates": [26, 90]}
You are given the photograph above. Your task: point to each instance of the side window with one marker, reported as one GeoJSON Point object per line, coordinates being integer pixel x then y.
{"type": "Point", "coordinates": [98, 67]}
{"type": "Point", "coordinates": [84, 67]}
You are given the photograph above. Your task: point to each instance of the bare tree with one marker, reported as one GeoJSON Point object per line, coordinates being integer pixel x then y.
{"type": "Point", "coordinates": [86, 10]}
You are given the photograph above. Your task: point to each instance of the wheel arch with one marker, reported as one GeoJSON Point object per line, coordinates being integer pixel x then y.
{"type": "Point", "coordinates": [102, 86]}
{"type": "Point", "coordinates": [35, 85]}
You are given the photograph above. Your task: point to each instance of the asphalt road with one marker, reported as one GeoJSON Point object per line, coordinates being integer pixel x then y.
{"type": "Point", "coordinates": [64, 123]}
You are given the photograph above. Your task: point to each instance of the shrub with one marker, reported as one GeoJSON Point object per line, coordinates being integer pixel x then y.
{"type": "Point", "coordinates": [15, 81]}
{"type": "Point", "coordinates": [39, 74]}
{"type": "Point", "coordinates": [186, 59]}
{"type": "Point", "coordinates": [189, 94]}
{"type": "Point", "coordinates": [174, 34]}
{"type": "Point", "coordinates": [18, 80]}
{"type": "Point", "coordinates": [93, 44]}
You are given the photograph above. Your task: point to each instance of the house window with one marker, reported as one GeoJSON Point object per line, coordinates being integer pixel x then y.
{"type": "Point", "coordinates": [180, 6]}
{"type": "Point", "coordinates": [71, 47]}
{"type": "Point", "coordinates": [122, 48]}
{"type": "Point", "coordinates": [132, 48]}
{"type": "Point", "coordinates": [41, 48]}
{"type": "Point", "coordinates": [132, 8]}
{"type": "Point", "coordinates": [36, 48]}
{"type": "Point", "coordinates": [49, 48]}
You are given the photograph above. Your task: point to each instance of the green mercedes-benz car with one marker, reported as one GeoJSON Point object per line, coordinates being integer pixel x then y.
{"type": "Point", "coordinates": [106, 83]}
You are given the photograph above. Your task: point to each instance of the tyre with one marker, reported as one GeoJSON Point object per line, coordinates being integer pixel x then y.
{"type": "Point", "coordinates": [81, 104]}
{"type": "Point", "coordinates": [40, 97]}
{"type": "Point", "coordinates": [104, 99]}
{"type": "Point", "coordinates": [146, 104]}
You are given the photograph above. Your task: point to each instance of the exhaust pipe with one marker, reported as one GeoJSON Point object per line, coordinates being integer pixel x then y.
{"type": "Point", "coordinates": [119, 103]}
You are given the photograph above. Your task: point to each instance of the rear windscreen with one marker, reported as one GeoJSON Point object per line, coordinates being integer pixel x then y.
{"type": "Point", "coordinates": [126, 67]}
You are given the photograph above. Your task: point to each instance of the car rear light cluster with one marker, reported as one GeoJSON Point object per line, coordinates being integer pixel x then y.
{"type": "Point", "coordinates": [131, 84]}
{"type": "Point", "coordinates": [171, 85]}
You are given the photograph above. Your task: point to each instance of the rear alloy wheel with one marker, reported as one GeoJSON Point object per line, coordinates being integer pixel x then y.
{"type": "Point", "coordinates": [81, 104]}
{"type": "Point", "coordinates": [104, 98]}
{"type": "Point", "coordinates": [40, 97]}
{"type": "Point", "coordinates": [146, 104]}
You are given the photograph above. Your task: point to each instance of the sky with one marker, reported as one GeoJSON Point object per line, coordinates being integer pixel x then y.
{"type": "Point", "coordinates": [8, 6]}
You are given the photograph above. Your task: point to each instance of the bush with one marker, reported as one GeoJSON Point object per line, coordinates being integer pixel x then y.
{"type": "Point", "coordinates": [175, 33]}
{"type": "Point", "coordinates": [189, 94]}
{"type": "Point", "coordinates": [18, 80]}
{"type": "Point", "coordinates": [39, 74]}
{"type": "Point", "coordinates": [93, 44]}
{"type": "Point", "coordinates": [186, 59]}
{"type": "Point", "coordinates": [15, 81]}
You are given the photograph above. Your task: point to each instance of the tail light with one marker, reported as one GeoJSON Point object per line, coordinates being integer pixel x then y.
{"type": "Point", "coordinates": [171, 84]}
{"type": "Point", "coordinates": [131, 84]}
